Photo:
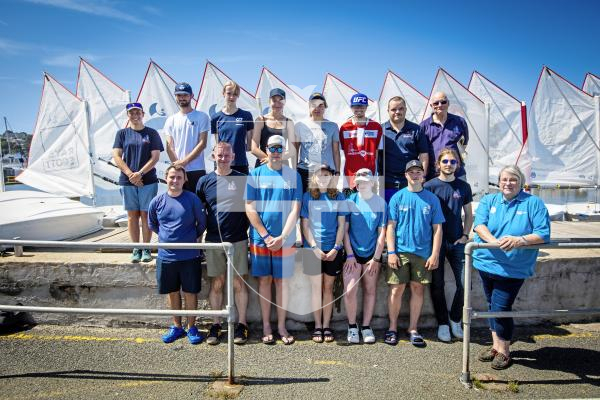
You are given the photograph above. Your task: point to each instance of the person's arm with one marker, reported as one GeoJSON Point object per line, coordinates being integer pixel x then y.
{"type": "Point", "coordinates": [134, 177]}
{"type": "Point", "coordinates": [171, 149]}
{"type": "Point", "coordinates": [467, 223]}
{"type": "Point", "coordinates": [197, 150]}
{"type": "Point", "coordinates": [154, 156]}
{"type": "Point", "coordinates": [305, 223]}
{"type": "Point", "coordinates": [255, 145]}
{"type": "Point", "coordinates": [540, 222]}
{"type": "Point", "coordinates": [391, 244]}
{"type": "Point", "coordinates": [153, 217]}
{"type": "Point", "coordinates": [290, 224]}
{"type": "Point", "coordinates": [255, 220]}
{"type": "Point", "coordinates": [432, 261]}
{"type": "Point", "coordinates": [293, 145]}
{"type": "Point", "coordinates": [350, 258]}
{"type": "Point", "coordinates": [249, 136]}
{"type": "Point", "coordinates": [339, 238]}
{"type": "Point", "coordinates": [374, 263]}
{"type": "Point", "coordinates": [424, 158]}
{"type": "Point", "coordinates": [336, 155]}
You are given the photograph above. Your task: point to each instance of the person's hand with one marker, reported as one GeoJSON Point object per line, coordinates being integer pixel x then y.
{"type": "Point", "coordinates": [372, 267]}
{"type": "Point", "coordinates": [136, 179]}
{"type": "Point", "coordinates": [319, 253]}
{"type": "Point", "coordinates": [180, 163]}
{"type": "Point", "coordinates": [432, 262]}
{"type": "Point", "coordinates": [264, 160]}
{"type": "Point", "coordinates": [507, 243]}
{"type": "Point", "coordinates": [331, 254]}
{"type": "Point", "coordinates": [274, 244]}
{"type": "Point", "coordinates": [393, 261]}
{"type": "Point", "coordinates": [463, 239]}
{"type": "Point", "coordinates": [350, 265]}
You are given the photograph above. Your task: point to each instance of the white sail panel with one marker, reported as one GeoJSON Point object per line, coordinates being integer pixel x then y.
{"type": "Point", "coordinates": [59, 161]}
{"type": "Point", "coordinates": [505, 130]}
{"type": "Point", "coordinates": [416, 103]}
{"type": "Point", "coordinates": [296, 107]}
{"type": "Point", "coordinates": [338, 94]}
{"type": "Point", "coordinates": [472, 109]}
{"type": "Point", "coordinates": [562, 140]}
{"type": "Point", "coordinates": [591, 84]}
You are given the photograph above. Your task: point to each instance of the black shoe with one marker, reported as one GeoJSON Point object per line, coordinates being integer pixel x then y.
{"type": "Point", "coordinates": [241, 334]}
{"type": "Point", "coordinates": [214, 334]}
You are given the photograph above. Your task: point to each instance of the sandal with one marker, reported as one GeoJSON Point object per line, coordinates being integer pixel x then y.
{"type": "Point", "coordinates": [268, 339]}
{"type": "Point", "coordinates": [328, 335]}
{"type": "Point", "coordinates": [317, 335]}
{"type": "Point", "coordinates": [416, 339]}
{"type": "Point", "coordinates": [287, 339]}
{"type": "Point", "coordinates": [391, 338]}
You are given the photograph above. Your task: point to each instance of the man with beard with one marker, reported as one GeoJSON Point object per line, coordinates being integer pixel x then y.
{"type": "Point", "coordinates": [187, 133]}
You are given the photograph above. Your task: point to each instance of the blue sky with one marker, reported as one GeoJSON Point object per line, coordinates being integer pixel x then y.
{"type": "Point", "coordinates": [507, 41]}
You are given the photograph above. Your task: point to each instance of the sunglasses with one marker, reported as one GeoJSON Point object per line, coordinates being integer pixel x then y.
{"type": "Point", "coordinates": [452, 162]}
{"type": "Point", "coordinates": [276, 149]}
{"type": "Point", "coordinates": [439, 102]}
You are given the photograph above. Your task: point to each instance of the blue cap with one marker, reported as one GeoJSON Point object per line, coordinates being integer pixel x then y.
{"type": "Point", "coordinates": [277, 92]}
{"type": "Point", "coordinates": [132, 106]}
{"type": "Point", "coordinates": [359, 99]}
{"type": "Point", "coordinates": [183, 88]}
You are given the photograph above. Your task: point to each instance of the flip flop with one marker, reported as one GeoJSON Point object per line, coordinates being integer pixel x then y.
{"type": "Point", "coordinates": [391, 338]}
{"type": "Point", "coordinates": [268, 339]}
{"type": "Point", "coordinates": [317, 335]}
{"type": "Point", "coordinates": [328, 335]}
{"type": "Point", "coordinates": [287, 339]}
{"type": "Point", "coordinates": [416, 339]}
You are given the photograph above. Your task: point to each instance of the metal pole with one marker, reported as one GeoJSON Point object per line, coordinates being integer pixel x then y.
{"type": "Point", "coordinates": [230, 316]}
{"type": "Point", "coordinates": [465, 376]}
{"type": "Point", "coordinates": [114, 311]}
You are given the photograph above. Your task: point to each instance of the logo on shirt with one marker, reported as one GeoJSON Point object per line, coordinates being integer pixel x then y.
{"type": "Point", "coordinates": [145, 139]}
{"type": "Point", "coordinates": [426, 210]}
{"type": "Point", "coordinates": [231, 186]}
{"type": "Point", "coordinates": [456, 194]}
{"type": "Point", "coordinates": [493, 210]}
{"type": "Point", "coordinates": [520, 212]}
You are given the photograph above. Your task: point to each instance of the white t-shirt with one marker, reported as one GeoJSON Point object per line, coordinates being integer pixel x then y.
{"type": "Point", "coordinates": [185, 130]}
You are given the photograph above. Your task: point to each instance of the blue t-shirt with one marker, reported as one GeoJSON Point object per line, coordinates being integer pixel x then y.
{"type": "Point", "coordinates": [223, 199]}
{"type": "Point", "coordinates": [178, 219]}
{"type": "Point", "coordinates": [400, 148]}
{"type": "Point", "coordinates": [365, 218]}
{"type": "Point", "coordinates": [453, 196]}
{"type": "Point", "coordinates": [322, 215]}
{"type": "Point", "coordinates": [137, 149]}
{"type": "Point", "coordinates": [274, 193]}
{"type": "Point", "coordinates": [233, 129]}
{"type": "Point", "coordinates": [523, 215]}
{"type": "Point", "coordinates": [415, 214]}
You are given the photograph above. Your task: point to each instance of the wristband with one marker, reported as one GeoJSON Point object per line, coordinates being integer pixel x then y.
{"type": "Point", "coordinates": [266, 236]}
{"type": "Point", "coordinates": [141, 173]}
{"type": "Point", "coordinates": [377, 260]}
{"type": "Point", "coordinates": [314, 246]}
{"type": "Point", "coordinates": [338, 247]}
{"type": "Point", "coordinates": [350, 256]}
{"type": "Point", "coordinates": [392, 252]}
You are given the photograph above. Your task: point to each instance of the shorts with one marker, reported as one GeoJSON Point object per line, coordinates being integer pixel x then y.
{"type": "Point", "coordinates": [279, 264]}
{"type": "Point", "coordinates": [304, 178]}
{"type": "Point", "coordinates": [216, 260]}
{"type": "Point", "coordinates": [363, 260]}
{"type": "Point", "coordinates": [311, 265]}
{"type": "Point", "coordinates": [192, 179]}
{"type": "Point", "coordinates": [137, 198]}
{"type": "Point", "coordinates": [174, 275]}
{"type": "Point", "coordinates": [412, 270]}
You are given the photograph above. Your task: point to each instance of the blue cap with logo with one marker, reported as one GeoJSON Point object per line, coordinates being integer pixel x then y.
{"type": "Point", "coordinates": [132, 106]}
{"type": "Point", "coordinates": [183, 88]}
{"type": "Point", "coordinates": [359, 99]}
{"type": "Point", "coordinates": [277, 92]}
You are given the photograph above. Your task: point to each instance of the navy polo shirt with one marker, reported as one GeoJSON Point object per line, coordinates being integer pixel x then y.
{"type": "Point", "coordinates": [443, 136]}
{"type": "Point", "coordinates": [137, 149]}
{"type": "Point", "coordinates": [400, 148]}
{"type": "Point", "coordinates": [233, 129]}
{"type": "Point", "coordinates": [453, 196]}
{"type": "Point", "coordinates": [223, 198]}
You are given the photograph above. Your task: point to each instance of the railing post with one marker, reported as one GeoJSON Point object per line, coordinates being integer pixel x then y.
{"type": "Point", "coordinates": [230, 315]}
{"type": "Point", "coordinates": [465, 376]}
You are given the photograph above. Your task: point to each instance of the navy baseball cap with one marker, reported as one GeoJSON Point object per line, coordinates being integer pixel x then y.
{"type": "Point", "coordinates": [277, 92]}
{"type": "Point", "coordinates": [132, 106]}
{"type": "Point", "coordinates": [413, 164]}
{"type": "Point", "coordinates": [318, 96]}
{"type": "Point", "coordinates": [183, 88]}
{"type": "Point", "coordinates": [359, 99]}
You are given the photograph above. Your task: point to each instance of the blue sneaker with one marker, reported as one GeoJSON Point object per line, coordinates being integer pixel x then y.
{"type": "Point", "coordinates": [194, 336]}
{"type": "Point", "coordinates": [173, 334]}
{"type": "Point", "coordinates": [136, 255]}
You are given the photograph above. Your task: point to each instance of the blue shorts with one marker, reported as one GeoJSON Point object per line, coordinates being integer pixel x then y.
{"type": "Point", "coordinates": [174, 275]}
{"type": "Point", "coordinates": [138, 198]}
{"type": "Point", "coordinates": [278, 264]}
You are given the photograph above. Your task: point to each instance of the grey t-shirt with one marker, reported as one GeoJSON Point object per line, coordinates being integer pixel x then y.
{"type": "Point", "coordinates": [316, 142]}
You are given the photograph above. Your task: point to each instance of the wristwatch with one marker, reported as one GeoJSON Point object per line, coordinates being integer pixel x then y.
{"type": "Point", "coordinates": [141, 173]}
{"type": "Point", "coordinates": [338, 247]}
{"type": "Point", "coordinates": [377, 259]}
{"type": "Point", "coordinates": [465, 235]}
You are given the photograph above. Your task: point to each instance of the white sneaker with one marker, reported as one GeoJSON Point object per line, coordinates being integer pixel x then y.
{"type": "Point", "coordinates": [444, 333]}
{"type": "Point", "coordinates": [353, 335]}
{"type": "Point", "coordinates": [368, 335]}
{"type": "Point", "coordinates": [457, 330]}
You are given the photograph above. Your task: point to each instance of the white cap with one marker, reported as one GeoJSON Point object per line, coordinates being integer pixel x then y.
{"type": "Point", "coordinates": [363, 175]}
{"type": "Point", "coordinates": [276, 140]}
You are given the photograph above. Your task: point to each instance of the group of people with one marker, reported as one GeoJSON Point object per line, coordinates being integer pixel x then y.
{"type": "Point", "coordinates": [289, 208]}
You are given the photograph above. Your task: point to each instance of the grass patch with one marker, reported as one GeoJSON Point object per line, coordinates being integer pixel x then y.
{"type": "Point", "coordinates": [477, 384]}
{"type": "Point", "coordinates": [513, 386]}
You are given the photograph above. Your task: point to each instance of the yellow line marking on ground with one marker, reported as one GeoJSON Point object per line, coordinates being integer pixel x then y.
{"type": "Point", "coordinates": [332, 362]}
{"type": "Point", "coordinates": [77, 338]}
{"type": "Point", "coordinates": [567, 336]}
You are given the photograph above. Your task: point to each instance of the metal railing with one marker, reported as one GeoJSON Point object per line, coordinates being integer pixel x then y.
{"type": "Point", "coordinates": [229, 312]}
{"type": "Point", "coordinates": [469, 314]}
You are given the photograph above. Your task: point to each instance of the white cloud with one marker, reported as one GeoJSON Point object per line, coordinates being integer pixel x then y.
{"type": "Point", "coordinates": [100, 8]}
{"type": "Point", "coordinates": [11, 47]}
{"type": "Point", "coordinates": [70, 59]}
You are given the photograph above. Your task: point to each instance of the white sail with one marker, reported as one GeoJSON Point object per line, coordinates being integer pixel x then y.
{"type": "Point", "coordinates": [473, 110]}
{"type": "Point", "coordinates": [416, 103]}
{"type": "Point", "coordinates": [107, 114]}
{"type": "Point", "coordinates": [591, 84]}
{"type": "Point", "coordinates": [338, 94]}
{"type": "Point", "coordinates": [158, 100]}
{"type": "Point", "coordinates": [505, 124]}
{"type": "Point", "coordinates": [563, 135]}
{"type": "Point", "coordinates": [296, 107]}
{"type": "Point", "coordinates": [59, 160]}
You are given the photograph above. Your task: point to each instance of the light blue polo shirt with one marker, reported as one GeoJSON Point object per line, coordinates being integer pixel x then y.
{"type": "Point", "coordinates": [365, 218]}
{"type": "Point", "coordinates": [415, 214]}
{"type": "Point", "coordinates": [523, 215]}
{"type": "Point", "coordinates": [322, 215]}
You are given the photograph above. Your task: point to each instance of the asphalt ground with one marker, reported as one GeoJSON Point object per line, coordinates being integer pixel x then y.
{"type": "Point", "coordinates": [64, 362]}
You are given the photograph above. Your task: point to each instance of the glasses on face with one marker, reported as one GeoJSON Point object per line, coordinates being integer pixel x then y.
{"type": "Point", "coordinates": [451, 162]}
{"type": "Point", "coordinates": [509, 180]}
{"type": "Point", "coordinates": [276, 149]}
{"type": "Point", "coordinates": [439, 102]}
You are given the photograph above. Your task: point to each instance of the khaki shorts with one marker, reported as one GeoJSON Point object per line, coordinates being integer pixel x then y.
{"type": "Point", "coordinates": [412, 269]}
{"type": "Point", "coordinates": [216, 260]}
